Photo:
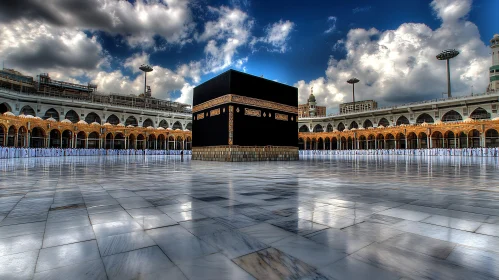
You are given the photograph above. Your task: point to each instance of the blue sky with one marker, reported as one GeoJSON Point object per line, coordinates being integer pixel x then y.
{"type": "Point", "coordinates": [300, 43]}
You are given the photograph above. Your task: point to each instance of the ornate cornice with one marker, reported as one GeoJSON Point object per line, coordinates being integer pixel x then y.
{"type": "Point", "coordinates": [243, 100]}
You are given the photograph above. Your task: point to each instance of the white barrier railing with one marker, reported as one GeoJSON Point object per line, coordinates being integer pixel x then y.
{"type": "Point", "coordinates": [10, 152]}
{"type": "Point", "coordinates": [476, 152]}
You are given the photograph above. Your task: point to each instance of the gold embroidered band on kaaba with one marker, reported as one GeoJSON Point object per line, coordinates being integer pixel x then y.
{"type": "Point", "coordinates": [243, 100]}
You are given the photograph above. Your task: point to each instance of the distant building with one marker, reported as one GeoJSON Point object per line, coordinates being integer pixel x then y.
{"type": "Point", "coordinates": [358, 106]}
{"type": "Point", "coordinates": [311, 109]}
{"type": "Point", "coordinates": [494, 69]}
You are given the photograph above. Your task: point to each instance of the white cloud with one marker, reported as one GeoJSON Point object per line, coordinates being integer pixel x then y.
{"type": "Point", "coordinates": [396, 66]}
{"type": "Point", "coordinates": [224, 36]}
{"type": "Point", "coordinates": [138, 22]}
{"type": "Point", "coordinates": [34, 47]}
{"type": "Point", "coordinates": [276, 36]}
{"type": "Point", "coordinates": [162, 81]}
{"type": "Point", "coordinates": [332, 24]}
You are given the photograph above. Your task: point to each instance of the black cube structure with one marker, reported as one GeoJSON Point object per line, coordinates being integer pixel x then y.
{"type": "Point", "coordinates": [241, 117]}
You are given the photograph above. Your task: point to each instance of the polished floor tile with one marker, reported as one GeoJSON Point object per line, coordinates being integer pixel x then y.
{"type": "Point", "coordinates": [488, 229]}
{"type": "Point", "coordinates": [411, 264]}
{"type": "Point", "coordinates": [233, 243]}
{"type": "Point", "coordinates": [22, 229]}
{"type": "Point", "coordinates": [56, 237]}
{"type": "Point", "coordinates": [19, 244]}
{"type": "Point", "coordinates": [274, 264]}
{"type": "Point", "coordinates": [372, 231]}
{"type": "Point", "coordinates": [179, 244]}
{"type": "Point", "coordinates": [146, 263]}
{"type": "Point", "coordinates": [124, 242]}
{"type": "Point", "coordinates": [452, 223]}
{"type": "Point", "coordinates": [421, 244]}
{"type": "Point", "coordinates": [478, 260]}
{"type": "Point", "coordinates": [311, 252]}
{"type": "Point", "coordinates": [266, 233]}
{"type": "Point", "coordinates": [298, 226]}
{"type": "Point", "coordinates": [157, 217]}
{"type": "Point", "coordinates": [350, 268]}
{"type": "Point", "coordinates": [114, 228]}
{"type": "Point", "coordinates": [65, 255]}
{"type": "Point", "coordinates": [213, 267]}
{"type": "Point", "coordinates": [337, 239]}
{"type": "Point", "coordinates": [89, 270]}
{"type": "Point", "coordinates": [18, 266]}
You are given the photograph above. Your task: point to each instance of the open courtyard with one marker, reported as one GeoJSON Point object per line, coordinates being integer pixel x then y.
{"type": "Point", "coordinates": [160, 217]}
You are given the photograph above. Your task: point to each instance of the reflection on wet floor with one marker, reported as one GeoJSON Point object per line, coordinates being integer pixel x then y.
{"type": "Point", "coordinates": [158, 217]}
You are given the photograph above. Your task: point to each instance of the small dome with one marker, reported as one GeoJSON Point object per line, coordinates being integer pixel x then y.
{"type": "Point", "coordinates": [149, 127]}
{"type": "Point", "coordinates": [496, 119]}
{"type": "Point", "coordinates": [353, 128]}
{"type": "Point", "coordinates": [38, 118]}
{"type": "Point", "coordinates": [381, 126]}
{"type": "Point", "coordinates": [370, 127]}
{"type": "Point", "coordinates": [22, 116]}
{"type": "Point", "coordinates": [161, 128]}
{"type": "Point", "coordinates": [186, 129]}
{"type": "Point", "coordinates": [468, 120]}
{"type": "Point", "coordinates": [346, 129]}
{"type": "Point", "coordinates": [178, 129]}
{"type": "Point", "coordinates": [130, 125]}
{"type": "Point", "coordinates": [438, 122]}
{"type": "Point", "coordinates": [424, 124]}
{"type": "Point", "coordinates": [107, 124]}
{"type": "Point", "coordinates": [311, 98]}
{"type": "Point", "coordinates": [169, 129]}
{"type": "Point", "coordinates": [95, 123]}
{"type": "Point", "coordinates": [29, 116]}
{"type": "Point", "coordinates": [66, 121]}
{"type": "Point", "coordinates": [361, 128]}
{"type": "Point", "coordinates": [8, 114]}
{"type": "Point", "coordinates": [120, 124]}
{"type": "Point", "coordinates": [51, 119]}
{"type": "Point", "coordinates": [82, 122]}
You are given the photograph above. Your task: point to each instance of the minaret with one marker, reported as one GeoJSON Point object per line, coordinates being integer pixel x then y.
{"type": "Point", "coordinates": [494, 69]}
{"type": "Point", "coordinates": [311, 103]}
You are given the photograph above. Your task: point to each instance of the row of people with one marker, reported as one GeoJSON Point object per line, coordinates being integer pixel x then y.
{"type": "Point", "coordinates": [11, 152]}
{"type": "Point", "coordinates": [477, 152]}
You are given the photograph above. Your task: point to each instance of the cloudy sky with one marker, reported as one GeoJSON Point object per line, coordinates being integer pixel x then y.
{"type": "Point", "coordinates": [389, 45]}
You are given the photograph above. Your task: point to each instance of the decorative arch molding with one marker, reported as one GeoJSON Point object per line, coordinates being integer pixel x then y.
{"type": "Point", "coordinates": [303, 128]}
{"type": "Point", "coordinates": [318, 128]}
{"type": "Point", "coordinates": [451, 116]}
{"type": "Point", "coordinates": [92, 117]}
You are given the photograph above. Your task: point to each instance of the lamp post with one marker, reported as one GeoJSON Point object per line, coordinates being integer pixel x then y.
{"type": "Point", "coordinates": [145, 68]}
{"type": "Point", "coordinates": [353, 81]}
{"type": "Point", "coordinates": [448, 55]}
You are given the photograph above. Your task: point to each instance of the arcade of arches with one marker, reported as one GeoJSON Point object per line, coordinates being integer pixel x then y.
{"type": "Point", "coordinates": [18, 131]}
{"type": "Point", "coordinates": [471, 134]}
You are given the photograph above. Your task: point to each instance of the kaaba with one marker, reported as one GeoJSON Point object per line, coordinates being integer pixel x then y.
{"type": "Point", "coordinates": [241, 117]}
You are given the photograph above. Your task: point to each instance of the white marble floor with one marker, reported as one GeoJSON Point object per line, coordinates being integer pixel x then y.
{"type": "Point", "coordinates": [319, 218]}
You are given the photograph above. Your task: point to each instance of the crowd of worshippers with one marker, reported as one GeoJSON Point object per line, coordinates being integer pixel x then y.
{"type": "Point", "coordinates": [474, 152]}
{"type": "Point", "coordinates": [13, 152]}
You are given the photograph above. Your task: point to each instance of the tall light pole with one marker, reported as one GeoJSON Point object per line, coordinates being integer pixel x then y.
{"type": "Point", "coordinates": [146, 68]}
{"type": "Point", "coordinates": [353, 81]}
{"type": "Point", "coordinates": [448, 55]}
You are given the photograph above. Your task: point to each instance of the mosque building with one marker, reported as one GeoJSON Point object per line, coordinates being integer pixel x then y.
{"type": "Point", "coordinates": [456, 122]}
{"type": "Point", "coordinates": [310, 109]}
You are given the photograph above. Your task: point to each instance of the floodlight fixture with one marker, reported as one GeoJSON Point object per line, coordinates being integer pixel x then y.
{"type": "Point", "coordinates": [145, 68]}
{"type": "Point", "coordinates": [448, 55]}
{"type": "Point", "coordinates": [353, 81]}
